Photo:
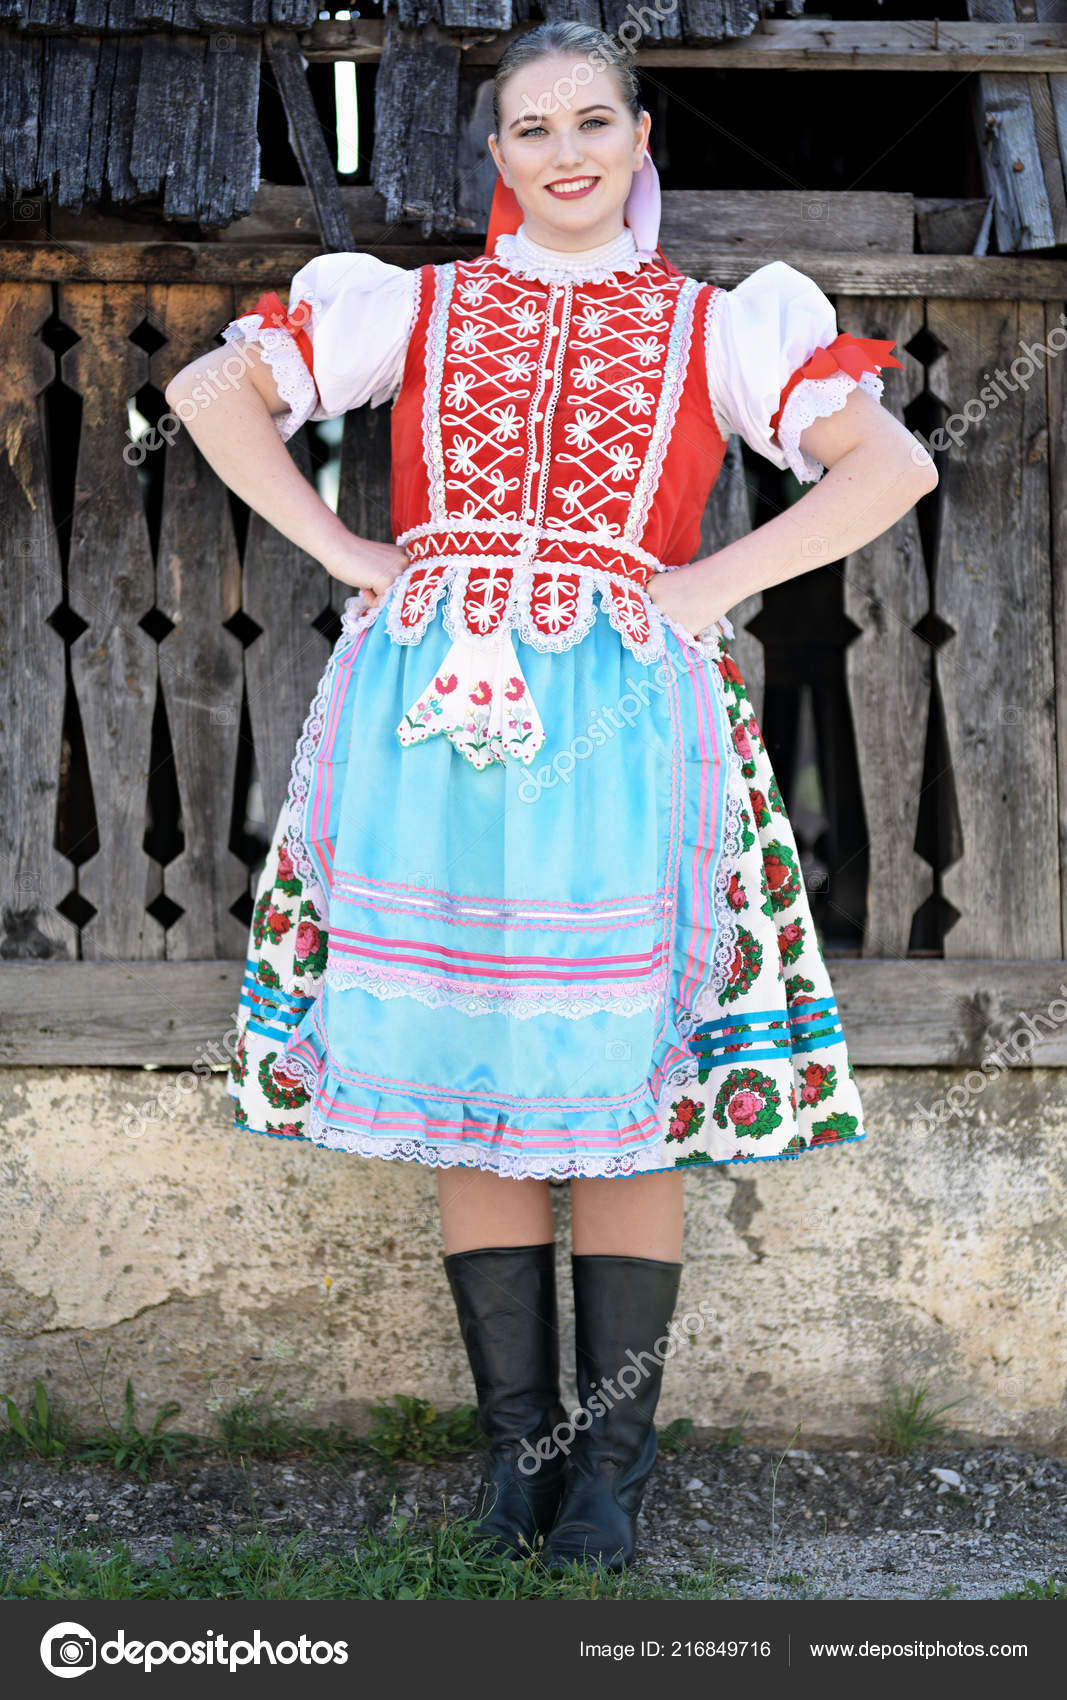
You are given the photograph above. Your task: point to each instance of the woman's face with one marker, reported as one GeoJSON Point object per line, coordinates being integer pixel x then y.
{"type": "Point", "coordinates": [564, 128]}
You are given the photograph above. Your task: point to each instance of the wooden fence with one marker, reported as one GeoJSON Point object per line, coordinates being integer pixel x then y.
{"type": "Point", "coordinates": [162, 647]}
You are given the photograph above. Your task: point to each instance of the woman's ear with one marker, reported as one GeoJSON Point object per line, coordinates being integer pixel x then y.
{"type": "Point", "coordinates": [495, 151]}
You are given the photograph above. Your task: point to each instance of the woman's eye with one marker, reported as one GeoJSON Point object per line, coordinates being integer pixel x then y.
{"type": "Point", "coordinates": [532, 131]}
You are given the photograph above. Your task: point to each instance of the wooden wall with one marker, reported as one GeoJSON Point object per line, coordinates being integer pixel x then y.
{"type": "Point", "coordinates": [159, 651]}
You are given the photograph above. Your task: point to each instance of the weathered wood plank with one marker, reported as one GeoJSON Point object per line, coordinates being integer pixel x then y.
{"type": "Point", "coordinates": [112, 586]}
{"type": "Point", "coordinates": [959, 277]}
{"type": "Point", "coordinates": [70, 66]}
{"type": "Point", "coordinates": [886, 592]}
{"type": "Point", "coordinates": [922, 1013]}
{"type": "Point", "coordinates": [993, 588]}
{"type": "Point", "coordinates": [34, 876]}
{"type": "Point", "coordinates": [782, 44]}
{"type": "Point", "coordinates": [748, 221]}
{"type": "Point", "coordinates": [949, 226]}
{"type": "Point", "coordinates": [416, 99]}
{"type": "Point", "coordinates": [200, 662]}
{"type": "Point", "coordinates": [309, 143]}
{"type": "Point", "coordinates": [1056, 334]}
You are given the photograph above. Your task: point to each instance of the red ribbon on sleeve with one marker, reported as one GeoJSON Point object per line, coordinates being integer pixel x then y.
{"type": "Point", "coordinates": [270, 308]}
{"type": "Point", "coordinates": [851, 354]}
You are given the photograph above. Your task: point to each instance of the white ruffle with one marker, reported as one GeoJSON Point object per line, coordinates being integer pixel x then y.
{"type": "Point", "coordinates": [758, 335]}
{"type": "Point", "coordinates": [526, 258]}
{"type": "Point", "coordinates": [362, 314]}
{"type": "Point", "coordinates": [811, 399]}
{"type": "Point", "coordinates": [292, 379]}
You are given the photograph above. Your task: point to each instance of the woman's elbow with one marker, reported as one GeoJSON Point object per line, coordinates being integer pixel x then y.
{"type": "Point", "coordinates": [920, 468]}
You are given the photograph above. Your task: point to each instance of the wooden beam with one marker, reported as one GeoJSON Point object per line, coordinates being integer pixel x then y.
{"type": "Point", "coordinates": [913, 1012]}
{"type": "Point", "coordinates": [960, 277]}
{"type": "Point", "coordinates": [783, 44]}
{"type": "Point", "coordinates": [309, 144]}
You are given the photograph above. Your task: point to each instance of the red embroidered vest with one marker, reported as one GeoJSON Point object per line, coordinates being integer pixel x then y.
{"type": "Point", "coordinates": [549, 439]}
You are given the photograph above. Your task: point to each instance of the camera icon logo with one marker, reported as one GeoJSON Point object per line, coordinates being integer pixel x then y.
{"type": "Point", "coordinates": [68, 1649]}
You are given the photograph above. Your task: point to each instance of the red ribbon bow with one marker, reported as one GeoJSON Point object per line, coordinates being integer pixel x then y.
{"type": "Point", "coordinates": [851, 354]}
{"type": "Point", "coordinates": [270, 309]}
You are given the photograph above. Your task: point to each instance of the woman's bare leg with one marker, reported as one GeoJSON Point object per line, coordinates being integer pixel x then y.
{"type": "Point", "coordinates": [480, 1209]}
{"type": "Point", "coordinates": [640, 1216]}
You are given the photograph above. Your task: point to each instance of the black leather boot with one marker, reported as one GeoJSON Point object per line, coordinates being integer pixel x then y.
{"type": "Point", "coordinates": [506, 1302]}
{"type": "Point", "coordinates": [622, 1307]}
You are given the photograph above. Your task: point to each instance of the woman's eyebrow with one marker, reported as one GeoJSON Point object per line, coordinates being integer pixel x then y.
{"type": "Point", "coordinates": [601, 106]}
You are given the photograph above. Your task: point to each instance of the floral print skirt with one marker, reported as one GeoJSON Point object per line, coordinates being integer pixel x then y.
{"type": "Point", "coordinates": [600, 964]}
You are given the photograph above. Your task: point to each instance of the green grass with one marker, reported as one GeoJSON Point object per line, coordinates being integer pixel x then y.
{"type": "Point", "coordinates": [1052, 1588]}
{"type": "Point", "coordinates": [409, 1561]}
{"type": "Point", "coordinates": [256, 1424]}
{"type": "Point", "coordinates": [906, 1422]}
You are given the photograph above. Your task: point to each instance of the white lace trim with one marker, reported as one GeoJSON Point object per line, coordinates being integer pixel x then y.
{"type": "Point", "coordinates": [517, 615]}
{"type": "Point", "coordinates": [521, 1006]}
{"type": "Point", "coordinates": [811, 399]}
{"type": "Point", "coordinates": [353, 623]}
{"type": "Point", "coordinates": [526, 258]}
{"type": "Point", "coordinates": [726, 919]}
{"type": "Point", "coordinates": [292, 379]}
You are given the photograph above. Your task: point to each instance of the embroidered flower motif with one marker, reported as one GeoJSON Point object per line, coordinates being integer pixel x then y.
{"type": "Point", "coordinates": [653, 306]}
{"type": "Point", "coordinates": [474, 291]}
{"type": "Point", "coordinates": [499, 486]}
{"type": "Point", "coordinates": [580, 431]}
{"type": "Point", "coordinates": [461, 454]}
{"type": "Point", "coordinates": [592, 321]}
{"type": "Point", "coordinates": [458, 390]}
{"type": "Point", "coordinates": [638, 399]}
{"type": "Point", "coordinates": [588, 370]}
{"type": "Point", "coordinates": [516, 688]}
{"type": "Point", "coordinates": [647, 350]}
{"type": "Point", "coordinates": [508, 423]}
{"type": "Point", "coordinates": [482, 694]}
{"type": "Point", "coordinates": [445, 685]}
{"type": "Point", "coordinates": [468, 338]}
{"type": "Point", "coordinates": [527, 318]}
{"type": "Point", "coordinates": [625, 461]}
{"type": "Point", "coordinates": [570, 495]}
{"type": "Point", "coordinates": [517, 367]}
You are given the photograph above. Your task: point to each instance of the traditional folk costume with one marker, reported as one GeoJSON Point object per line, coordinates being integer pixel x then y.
{"type": "Point", "coordinates": [533, 903]}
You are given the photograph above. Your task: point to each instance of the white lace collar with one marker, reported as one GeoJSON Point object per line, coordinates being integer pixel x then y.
{"type": "Point", "coordinates": [526, 258]}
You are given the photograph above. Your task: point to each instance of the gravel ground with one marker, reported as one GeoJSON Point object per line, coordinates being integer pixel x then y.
{"type": "Point", "coordinates": [847, 1525]}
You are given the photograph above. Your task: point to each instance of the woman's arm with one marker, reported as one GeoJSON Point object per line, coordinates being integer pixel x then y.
{"type": "Point", "coordinates": [227, 402]}
{"type": "Point", "coordinates": [876, 471]}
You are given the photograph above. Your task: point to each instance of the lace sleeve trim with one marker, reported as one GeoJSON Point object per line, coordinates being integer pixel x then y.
{"type": "Point", "coordinates": [292, 379]}
{"type": "Point", "coordinates": [815, 398]}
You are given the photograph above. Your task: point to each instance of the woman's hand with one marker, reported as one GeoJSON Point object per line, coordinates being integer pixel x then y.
{"type": "Point", "coordinates": [367, 566]}
{"type": "Point", "coordinates": [687, 595]}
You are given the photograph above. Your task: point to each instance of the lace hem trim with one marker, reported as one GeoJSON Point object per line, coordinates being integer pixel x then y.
{"type": "Point", "coordinates": [815, 398]}
{"type": "Point", "coordinates": [630, 610]}
{"type": "Point", "coordinates": [292, 379]}
{"type": "Point", "coordinates": [520, 1006]}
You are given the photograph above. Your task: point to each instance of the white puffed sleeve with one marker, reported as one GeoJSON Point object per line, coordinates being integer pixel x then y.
{"type": "Point", "coordinates": [760, 334]}
{"type": "Point", "coordinates": [345, 348]}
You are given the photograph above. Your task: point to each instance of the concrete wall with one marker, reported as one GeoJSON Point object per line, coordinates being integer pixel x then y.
{"type": "Point", "coordinates": [933, 1255]}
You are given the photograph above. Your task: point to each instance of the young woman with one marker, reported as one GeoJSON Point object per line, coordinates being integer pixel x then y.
{"type": "Point", "coordinates": [533, 911]}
